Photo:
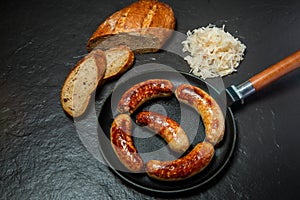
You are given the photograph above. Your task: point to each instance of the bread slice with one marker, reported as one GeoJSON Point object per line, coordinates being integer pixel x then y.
{"type": "Point", "coordinates": [118, 60]}
{"type": "Point", "coordinates": [144, 26]}
{"type": "Point", "coordinates": [81, 82]}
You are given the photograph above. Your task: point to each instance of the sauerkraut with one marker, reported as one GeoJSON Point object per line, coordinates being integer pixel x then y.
{"type": "Point", "coordinates": [212, 52]}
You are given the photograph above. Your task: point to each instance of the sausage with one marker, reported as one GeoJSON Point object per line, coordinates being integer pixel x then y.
{"type": "Point", "coordinates": [167, 128]}
{"type": "Point", "coordinates": [182, 168]}
{"type": "Point", "coordinates": [207, 107]}
{"type": "Point", "coordinates": [142, 92]}
{"type": "Point", "coordinates": [122, 143]}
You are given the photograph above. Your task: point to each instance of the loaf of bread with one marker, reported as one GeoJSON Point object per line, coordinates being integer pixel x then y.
{"type": "Point", "coordinates": [143, 26]}
{"type": "Point", "coordinates": [81, 82]}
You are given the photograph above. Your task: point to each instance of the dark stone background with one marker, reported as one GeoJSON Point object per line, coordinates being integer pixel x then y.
{"type": "Point", "coordinates": [42, 155]}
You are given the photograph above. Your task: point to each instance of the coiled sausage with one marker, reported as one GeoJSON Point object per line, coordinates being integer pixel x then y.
{"type": "Point", "coordinates": [122, 143]}
{"type": "Point", "coordinates": [144, 91]}
{"type": "Point", "coordinates": [182, 168]}
{"type": "Point", "coordinates": [207, 107]}
{"type": "Point", "coordinates": [167, 128]}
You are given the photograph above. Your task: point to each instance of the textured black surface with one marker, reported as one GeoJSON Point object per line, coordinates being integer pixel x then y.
{"type": "Point", "coordinates": [42, 156]}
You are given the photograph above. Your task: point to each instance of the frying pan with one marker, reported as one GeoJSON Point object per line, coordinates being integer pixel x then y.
{"type": "Point", "coordinates": [152, 147]}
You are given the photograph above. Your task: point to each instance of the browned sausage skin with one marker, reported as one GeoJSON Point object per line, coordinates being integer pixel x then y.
{"type": "Point", "coordinates": [207, 107]}
{"type": "Point", "coordinates": [142, 92]}
{"type": "Point", "coordinates": [182, 168]}
{"type": "Point", "coordinates": [122, 143]}
{"type": "Point", "coordinates": [167, 128]}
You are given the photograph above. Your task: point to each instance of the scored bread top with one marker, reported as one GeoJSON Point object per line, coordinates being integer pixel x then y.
{"type": "Point", "coordinates": [147, 24]}
{"type": "Point", "coordinates": [81, 82]}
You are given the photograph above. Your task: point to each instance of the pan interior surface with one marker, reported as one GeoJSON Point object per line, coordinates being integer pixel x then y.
{"type": "Point", "coordinates": [151, 146]}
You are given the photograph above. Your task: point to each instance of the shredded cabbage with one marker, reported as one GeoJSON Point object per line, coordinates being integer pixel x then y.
{"type": "Point", "coordinates": [213, 52]}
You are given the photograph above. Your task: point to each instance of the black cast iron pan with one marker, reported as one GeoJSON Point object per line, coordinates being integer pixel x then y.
{"type": "Point", "coordinates": [152, 147]}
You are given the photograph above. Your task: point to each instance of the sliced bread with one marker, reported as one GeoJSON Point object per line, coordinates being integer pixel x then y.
{"type": "Point", "coordinates": [118, 60]}
{"type": "Point", "coordinates": [82, 81]}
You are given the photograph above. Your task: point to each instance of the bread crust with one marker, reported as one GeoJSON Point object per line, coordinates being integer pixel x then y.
{"type": "Point", "coordinates": [145, 18]}
{"type": "Point", "coordinates": [70, 89]}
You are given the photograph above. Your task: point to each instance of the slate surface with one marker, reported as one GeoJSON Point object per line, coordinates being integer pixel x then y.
{"type": "Point", "coordinates": [42, 156]}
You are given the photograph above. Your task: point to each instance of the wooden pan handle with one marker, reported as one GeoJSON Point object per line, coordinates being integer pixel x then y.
{"type": "Point", "coordinates": [276, 71]}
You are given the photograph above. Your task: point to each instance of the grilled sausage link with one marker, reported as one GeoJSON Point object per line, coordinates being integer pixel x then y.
{"type": "Point", "coordinates": [122, 143]}
{"type": "Point", "coordinates": [167, 128]}
{"type": "Point", "coordinates": [142, 92]}
{"type": "Point", "coordinates": [207, 107]}
{"type": "Point", "coordinates": [182, 168]}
